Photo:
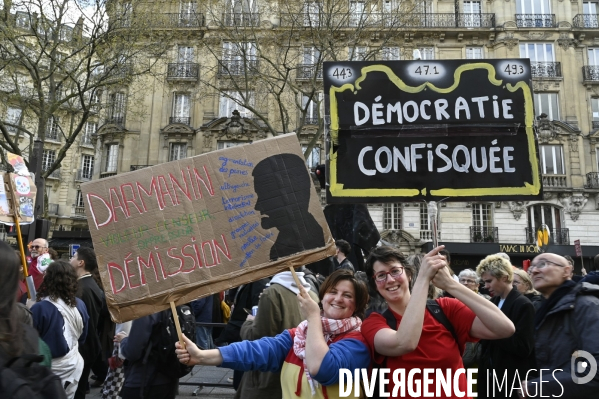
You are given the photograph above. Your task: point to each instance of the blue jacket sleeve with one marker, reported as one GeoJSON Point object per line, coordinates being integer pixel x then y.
{"type": "Point", "coordinates": [49, 323]}
{"type": "Point", "coordinates": [84, 315]}
{"type": "Point", "coordinates": [266, 354]}
{"type": "Point", "coordinates": [141, 330]}
{"type": "Point", "coordinates": [344, 354]}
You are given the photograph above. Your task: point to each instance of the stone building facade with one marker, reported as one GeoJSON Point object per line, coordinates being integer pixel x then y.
{"type": "Point", "coordinates": [189, 110]}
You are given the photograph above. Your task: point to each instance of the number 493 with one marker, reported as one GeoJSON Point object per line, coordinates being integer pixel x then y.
{"type": "Point", "coordinates": [512, 69]}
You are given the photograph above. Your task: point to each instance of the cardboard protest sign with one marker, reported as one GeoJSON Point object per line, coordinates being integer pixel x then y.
{"type": "Point", "coordinates": [20, 189]}
{"type": "Point", "coordinates": [186, 229]}
{"type": "Point", "coordinates": [427, 130]}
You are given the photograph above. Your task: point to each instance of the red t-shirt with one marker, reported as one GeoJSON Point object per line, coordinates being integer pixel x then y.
{"type": "Point", "coordinates": [436, 349]}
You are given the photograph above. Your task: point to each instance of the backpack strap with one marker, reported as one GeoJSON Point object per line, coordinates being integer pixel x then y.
{"type": "Point", "coordinates": [390, 319]}
{"type": "Point", "coordinates": [437, 312]}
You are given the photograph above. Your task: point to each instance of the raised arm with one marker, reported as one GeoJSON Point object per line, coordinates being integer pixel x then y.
{"type": "Point", "coordinates": [316, 346]}
{"type": "Point", "coordinates": [490, 322]}
{"type": "Point", "coordinates": [389, 342]}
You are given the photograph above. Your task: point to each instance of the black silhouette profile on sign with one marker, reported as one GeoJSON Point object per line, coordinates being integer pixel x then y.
{"type": "Point", "coordinates": [282, 184]}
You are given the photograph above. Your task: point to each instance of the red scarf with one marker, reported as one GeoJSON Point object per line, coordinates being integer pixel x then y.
{"type": "Point", "coordinates": [331, 328]}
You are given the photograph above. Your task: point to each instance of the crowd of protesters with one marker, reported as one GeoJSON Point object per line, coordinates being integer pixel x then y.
{"type": "Point", "coordinates": [387, 315]}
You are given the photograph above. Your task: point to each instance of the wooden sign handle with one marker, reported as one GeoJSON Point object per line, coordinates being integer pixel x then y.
{"type": "Point", "coordinates": [296, 278]}
{"type": "Point", "coordinates": [177, 325]}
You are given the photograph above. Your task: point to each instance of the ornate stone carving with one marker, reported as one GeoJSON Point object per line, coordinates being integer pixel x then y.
{"type": "Point", "coordinates": [401, 239]}
{"type": "Point", "coordinates": [565, 41]}
{"type": "Point", "coordinates": [573, 142]}
{"type": "Point", "coordinates": [573, 203]}
{"type": "Point", "coordinates": [546, 130]}
{"type": "Point", "coordinates": [536, 35]}
{"type": "Point", "coordinates": [538, 85]}
{"type": "Point", "coordinates": [547, 196]}
{"type": "Point", "coordinates": [234, 129]}
{"type": "Point", "coordinates": [517, 208]}
{"type": "Point", "coordinates": [510, 41]}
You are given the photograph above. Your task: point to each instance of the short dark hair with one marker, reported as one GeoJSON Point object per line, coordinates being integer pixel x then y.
{"type": "Point", "coordinates": [596, 262]}
{"type": "Point", "coordinates": [447, 255]}
{"type": "Point", "coordinates": [386, 254]}
{"type": "Point", "coordinates": [343, 246]}
{"type": "Point", "coordinates": [88, 256]}
{"type": "Point", "coordinates": [361, 291]}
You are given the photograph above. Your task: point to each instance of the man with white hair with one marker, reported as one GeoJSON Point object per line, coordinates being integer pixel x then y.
{"type": "Point", "coordinates": [565, 328]}
{"type": "Point", "coordinates": [37, 248]}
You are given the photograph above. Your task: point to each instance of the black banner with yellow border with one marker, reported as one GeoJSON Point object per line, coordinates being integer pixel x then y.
{"type": "Point", "coordinates": [427, 130]}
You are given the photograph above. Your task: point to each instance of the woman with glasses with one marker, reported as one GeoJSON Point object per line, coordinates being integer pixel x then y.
{"type": "Point", "coordinates": [523, 283]}
{"type": "Point", "coordinates": [309, 356]}
{"type": "Point", "coordinates": [468, 278]}
{"type": "Point", "coordinates": [419, 340]}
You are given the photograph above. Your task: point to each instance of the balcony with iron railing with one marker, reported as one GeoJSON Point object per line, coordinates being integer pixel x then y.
{"type": "Point", "coordinates": [77, 212]}
{"type": "Point", "coordinates": [585, 21]}
{"type": "Point", "coordinates": [117, 120]}
{"type": "Point", "coordinates": [307, 71]}
{"type": "Point", "coordinates": [449, 20]}
{"type": "Point", "coordinates": [592, 180]}
{"type": "Point", "coordinates": [238, 67]}
{"type": "Point", "coordinates": [556, 236]}
{"type": "Point", "coordinates": [590, 73]}
{"type": "Point", "coordinates": [185, 120]}
{"type": "Point", "coordinates": [311, 120]}
{"type": "Point", "coordinates": [53, 209]}
{"type": "Point", "coordinates": [137, 167]}
{"type": "Point", "coordinates": [555, 181]}
{"type": "Point", "coordinates": [241, 19]}
{"type": "Point", "coordinates": [535, 20]}
{"type": "Point", "coordinates": [484, 234]}
{"type": "Point", "coordinates": [546, 69]}
{"type": "Point", "coordinates": [182, 20]}
{"type": "Point", "coordinates": [84, 175]}
{"type": "Point", "coordinates": [389, 20]}
{"type": "Point", "coordinates": [183, 71]}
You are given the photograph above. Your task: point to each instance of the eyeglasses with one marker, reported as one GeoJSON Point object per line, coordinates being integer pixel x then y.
{"type": "Point", "coordinates": [542, 264]}
{"type": "Point", "coordinates": [37, 247]}
{"type": "Point", "coordinates": [466, 281]}
{"type": "Point", "coordinates": [395, 273]}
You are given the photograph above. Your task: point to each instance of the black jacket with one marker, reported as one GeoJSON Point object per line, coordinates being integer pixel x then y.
{"type": "Point", "coordinates": [133, 348]}
{"type": "Point", "coordinates": [571, 324]}
{"type": "Point", "coordinates": [91, 295]}
{"type": "Point", "coordinates": [509, 355]}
